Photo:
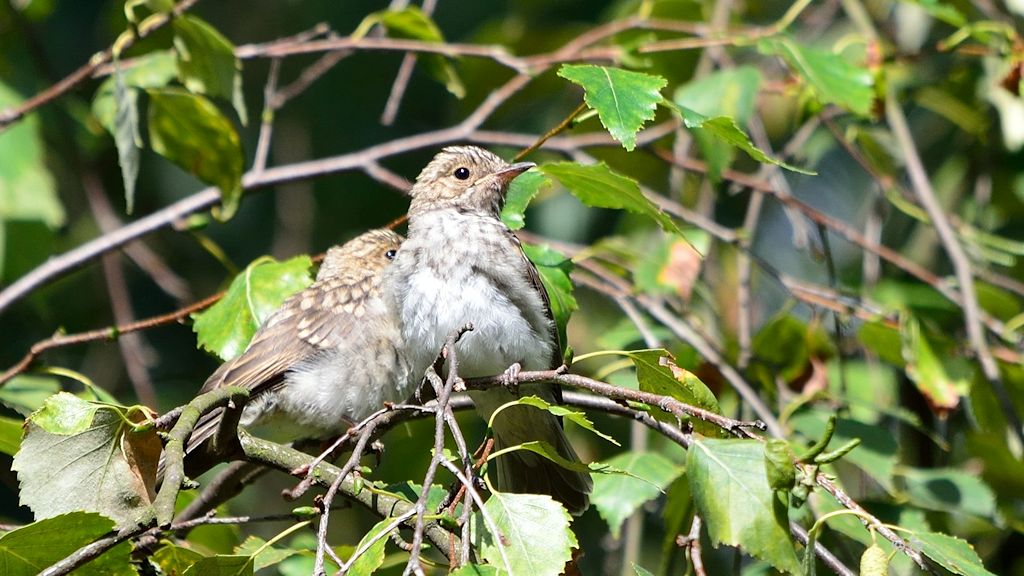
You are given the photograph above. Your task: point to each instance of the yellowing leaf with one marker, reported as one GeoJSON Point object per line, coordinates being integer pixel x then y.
{"type": "Point", "coordinates": [80, 455]}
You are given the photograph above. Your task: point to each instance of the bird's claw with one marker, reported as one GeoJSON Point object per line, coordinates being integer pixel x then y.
{"type": "Point", "coordinates": [510, 378]}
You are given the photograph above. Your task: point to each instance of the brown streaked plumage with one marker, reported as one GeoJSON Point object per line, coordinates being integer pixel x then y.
{"type": "Point", "coordinates": [328, 357]}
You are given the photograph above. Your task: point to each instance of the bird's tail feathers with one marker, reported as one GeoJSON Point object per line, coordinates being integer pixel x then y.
{"type": "Point", "coordinates": [523, 471]}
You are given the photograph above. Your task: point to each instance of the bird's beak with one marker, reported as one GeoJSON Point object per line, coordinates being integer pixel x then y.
{"type": "Point", "coordinates": [507, 174]}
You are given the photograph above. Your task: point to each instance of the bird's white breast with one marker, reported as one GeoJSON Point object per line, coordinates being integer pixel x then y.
{"type": "Point", "coordinates": [450, 284]}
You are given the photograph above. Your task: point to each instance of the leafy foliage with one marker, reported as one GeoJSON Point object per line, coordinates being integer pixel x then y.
{"type": "Point", "coordinates": [411, 22]}
{"type": "Point", "coordinates": [618, 496]}
{"type": "Point", "coordinates": [730, 488]}
{"type": "Point", "coordinates": [832, 78]}
{"type": "Point", "coordinates": [817, 298]}
{"type": "Point", "coordinates": [533, 535]}
{"type": "Point", "coordinates": [80, 455]}
{"type": "Point", "coordinates": [624, 100]}
{"type": "Point", "coordinates": [728, 93]}
{"type": "Point", "coordinates": [191, 132]}
{"type": "Point", "coordinates": [554, 268]}
{"type": "Point", "coordinates": [228, 326]}
{"type": "Point", "coordinates": [30, 549]}
{"type": "Point", "coordinates": [599, 186]}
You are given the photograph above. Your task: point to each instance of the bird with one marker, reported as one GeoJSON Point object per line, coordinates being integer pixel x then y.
{"type": "Point", "coordinates": [329, 357]}
{"type": "Point", "coordinates": [460, 264]}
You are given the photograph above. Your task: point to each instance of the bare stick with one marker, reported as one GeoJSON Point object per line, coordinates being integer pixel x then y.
{"type": "Point", "coordinates": [961, 264]}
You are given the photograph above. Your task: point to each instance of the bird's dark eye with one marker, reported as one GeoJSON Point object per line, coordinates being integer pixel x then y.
{"type": "Point", "coordinates": [390, 254]}
{"type": "Point", "coordinates": [462, 173]}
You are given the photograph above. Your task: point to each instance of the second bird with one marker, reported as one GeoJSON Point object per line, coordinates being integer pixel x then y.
{"type": "Point", "coordinates": [328, 357]}
{"type": "Point", "coordinates": [461, 264]}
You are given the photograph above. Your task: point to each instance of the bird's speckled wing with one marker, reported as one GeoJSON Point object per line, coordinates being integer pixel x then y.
{"type": "Point", "coordinates": [538, 285]}
{"type": "Point", "coordinates": [318, 318]}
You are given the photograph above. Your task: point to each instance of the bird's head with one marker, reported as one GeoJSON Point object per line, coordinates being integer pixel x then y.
{"type": "Point", "coordinates": [466, 178]}
{"type": "Point", "coordinates": [369, 252]}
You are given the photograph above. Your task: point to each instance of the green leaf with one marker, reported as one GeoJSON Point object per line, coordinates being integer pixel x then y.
{"type": "Point", "coordinates": [475, 570]}
{"type": "Point", "coordinates": [951, 553]}
{"type": "Point", "coordinates": [263, 556]}
{"type": "Point", "coordinates": [65, 414]}
{"type": "Point", "coordinates": [137, 11]}
{"type": "Point", "coordinates": [779, 462]}
{"type": "Point", "coordinates": [724, 129]}
{"type": "Point", "coordinates": [411, 22]}
{"type": "Point", "coordinates": [126, 135]}
{"type": "Point", "coordinates": [641, 571]}
{"type": "Point", "coordinates": [624, 100]}
{"type": "Point", "coordinates": [878, 450]}
{"type": "Point", "coordinates": [599, 186]}
{"type": "Point", "coordinates": [227, 327]}
{"type": "Point", "coordinates": [548, 451]}
{"type": "Point", "coordinates": [676, 514]}
{"type": "Point", "coordinates": [831, 77]}
{"type": "Point", "coordinates": [554, 269]}
{"type": "Point", "coordinates": [222, 565]}
{"type": "Point", "coordinates": [10, 435]}
{"type": "Point", "coordinates": [578, 418]}
{"type": "Point", "coordinates": [26, 393]}
{"type": "Point", "coordinates": [926, 369]}
{"type": "Point", "coordinates": [32, 548]}
{"type": "Point", "coordinates": [883, 340]}
{"type": "Point", "coordinates": [207, 63]}
{"type": "Point", "coordinates": [533, 534]}
{"type": "Point", "coordinates": [730, 92]}
{"type": "Point", "coordinates": [372, 557]}
{"type": "Point", "coordinates": [943, 11]}
{"type": "Point", "coordinates": [949, 490]}
{"type": "Point", "coordinates": [617, 497]}
{"type": "Point", "coordinates": [738, 506]}
{"type": "Point", "coordinates": [79, 455]}
{"type": "Point", "coordinates": [27, 190]}
{"type": "Point", "coordinates": [782, 344]}
{"type": "Point", "coordinates": [191, 132]}
{"type": "Point", "coordinates": [520, 192]}
{"type": "Point", "coordinates": [152, 70]}
{"type": "Point", "coordinates": [174, 560]}
{"type": "Point", "coordinates": [657, 373]}
{"type": "Point", "coordinates": [115, 106]}
{"type": "Point", "coordinates": [411, 492]}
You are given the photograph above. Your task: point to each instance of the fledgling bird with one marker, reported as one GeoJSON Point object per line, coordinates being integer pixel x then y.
{"type": "Point", "coordinates": [329, 357]}
{"type": "Point", "coordinates": [461, 264]}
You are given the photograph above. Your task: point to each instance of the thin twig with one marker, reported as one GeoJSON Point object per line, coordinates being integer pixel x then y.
{"type": "Point", "coordinates": [672, 406]}
{"type": "Point", "coordinates": [692, 543]}
{"type": "Point", "coordinates": [565, 123]}
{"type": "Point", "coordinates": [109, 333]}
{"type": "Point", "coordinates": [443, 391]}
{"type": "Point", "coordinates": [267, 117]}
{"type": "Point", "coordinates": [402, 77]}
{"type": "Point", "coordinates": [961, 264]}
